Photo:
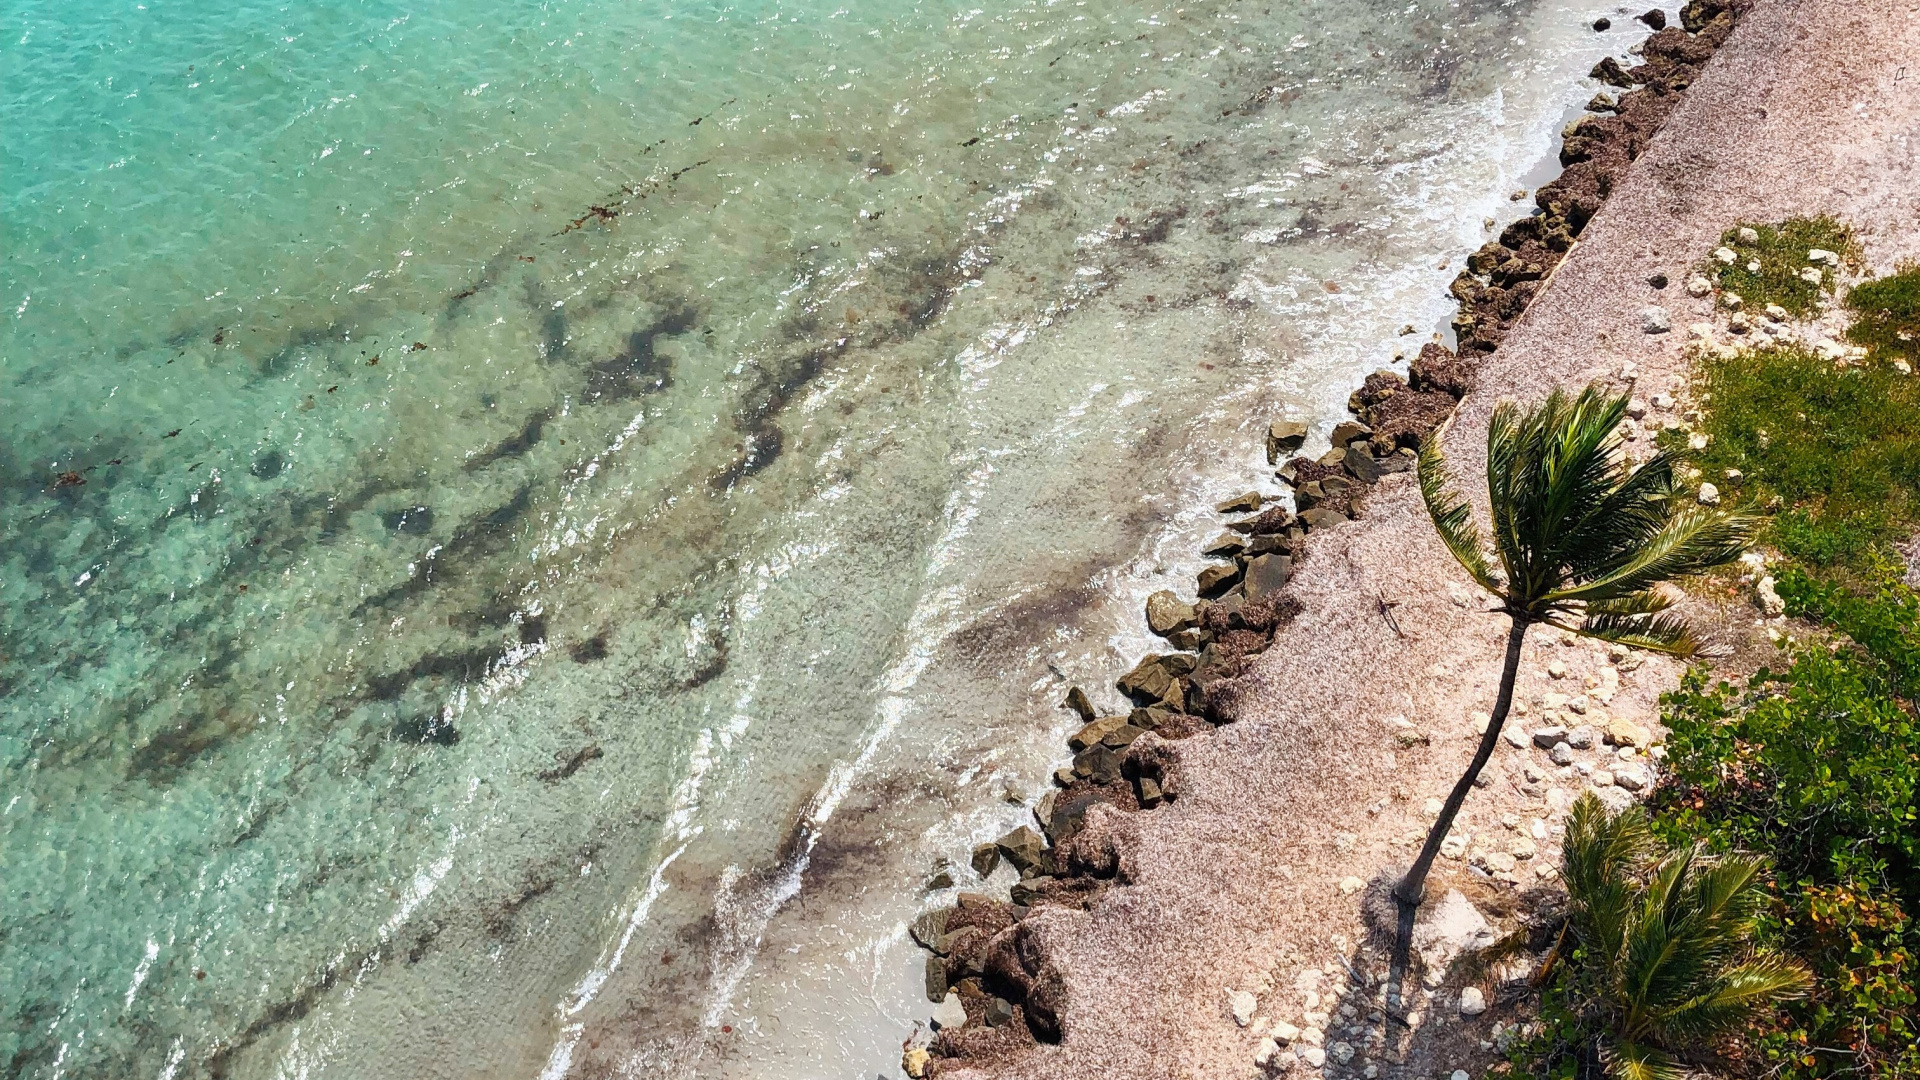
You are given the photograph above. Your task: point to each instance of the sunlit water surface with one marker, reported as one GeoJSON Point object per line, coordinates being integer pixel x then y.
{"type": "Point", "coordinates": [528, 528]}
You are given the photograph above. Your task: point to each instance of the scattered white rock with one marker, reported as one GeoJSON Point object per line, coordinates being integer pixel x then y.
{"type": "Point", "coordinates": [1748, 236]}
{"type": "Point", "coordinates": [1631, 777]}
{"type": "Point", "coordinates": [1810, 275]}
{"type": "Point", "coordinates": [1822, 255]}
{"type": "Point", "coordinates": [1655, 320]}
{"type": "Point", "coordinates": [1698, 286]}
{"type": "Point", "coordinates": [1284, 1033]}
{"type": "Point", "coordinates": [1546, 738]}
{"type": "Point", "coordinates": [949, 1013]}
{"type": "Point", "coordinates": [1903, 367]}
{"type": "Point", "coordinates": [1734, 476]}
{"type": "Point", "coordinates": [1561, 754]}
{"type": "Point", "coordinates": [1460, 1074]}
{"type": "Point", "coordinates": [1312, 1036]}
{"type": "Point", "coordinates": [1557, 669]}
{"type": "Point", "coordinates": [1263, 1053]}
{"type": "Point", "coordinates": [1764, 595]}
{"type": "Point", "coordinates": [1242, 1005]}
{"type": "Point", "coordinates": [1314, 1056]}
{"type": "Point", "coordinates": [1636, 408]}
{"type": "Point", "coordinates": [1350, 885]}
{"type": "Point", "coordinates": [1731, 301]}
{"type": "Point", "coordinates": [1601, 778]}
{"type": "Point", "coordinates": [1699, 440]}
{"type": "Point", "coordinates": [1777, 313]}
{"type": "Point", "coordinates": [1724, 256]}
{"type": "Point", "coordinates": [1515, 738]}
{"type": "Point", "coordinates": [1663, 402]}
{"type": "Point", "coordinates": [1472, 1001]}
{"type": "Point", "coordinates": [1433, 807]}
{"type": "Point", "coordinates": [1753, 266]}
{"type": "Point", "coordinates": [1581, 738]}
{"type": "Point", "coordinates": [1709, 495]}
{"type": "Point", "coordinates": [1341, 1052]}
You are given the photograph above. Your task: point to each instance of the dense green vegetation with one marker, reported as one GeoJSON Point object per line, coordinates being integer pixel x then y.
{"type": "Point", "coordinates": [1886, 316]}
{"type": "Point", "coordinates": [1781, 254]}
{"type": "Point", "coordinates": [1815, 763]}
{"type": "Point", "coordinates": [1837, 446]}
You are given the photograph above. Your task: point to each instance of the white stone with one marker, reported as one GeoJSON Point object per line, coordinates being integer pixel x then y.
{"type": "Point", "coordinates": [1350, 885]}
{"type": "Point", "coordinates": [1747, 235]}
{"type": "Point", "coordinates": [1314, 1056]}
{"type": "Point", "coordinates": [1822, 255]}
{"type": "Point", "coordinates": [1698, 440]}
{"type": "Point", "coordinates": [950, 1013]}
{"type": "Point", "coordinates": [1242, 1004]}
{"type": "Point", "coordinates": [1557, 669]}
{"type": "Point", "coordinates": [1702, 331]}
{"type": "Point", "coordinates": [1561, 754]}
{"type": "Point", "coordinates": [1515, 738]}
{"type": "Point", "coordinates": [1631, 777]}
{"type": "Point", "coordinates": [1522, 847]}
{"type": "Point", "coordinates": [1810, 275]}
{"type": "Point", "coordinates": [1459, 1074]}
{"type": "Point", "coordinates": [1777, 313]}
{"type": "Point", "coordinates": [1454, 846]}
{"type": "Point", "coordinates": [1770, 603]}
{"type": "Point", "coordinates": [1698, 286]}
{"type": "Point", "coordinates": [1264, 1052]}
{"type": "Point", "coordinates": [1709, 495]}
{"type": "Point", "coordinates": [1724, 256]}
{"type": "Point", "coordinates": [1636, 408]}
{"type": "Point", "coordinates": [1447, 928]}
{"type": "Point", "coordinates": [1472, 1001]}
{"type": "Point", "coordinates": [1538, 829]}
{"type": "Point", "coordinates": [1731, 301]}
{"type": "Point", "coordinates": [1601, 778]}
{"type": "Point", "coordinates": [1313, 1036]}
{"type": "Point", "coordinates": [1663, 401]}
{"type": "Point", "coordinates": [1340, 1052]}
{"type": "Point", "coordinates": [1753, 266]}
{"type": "Point", "coordinates": [1433, 807]}
{"type": "Point", "coordinates": [1655, 320]}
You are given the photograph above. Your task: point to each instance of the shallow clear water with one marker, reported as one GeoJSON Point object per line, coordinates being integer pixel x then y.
{"type": "Point", "coordinates": [526, 527]}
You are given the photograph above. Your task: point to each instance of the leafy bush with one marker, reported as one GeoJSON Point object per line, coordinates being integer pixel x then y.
{"type": "Point", "coordinates": [1820, 767]}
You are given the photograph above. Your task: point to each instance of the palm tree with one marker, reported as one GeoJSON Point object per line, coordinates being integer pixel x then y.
{"type": "Point", "coordinates": [1665, 952]}
{"type": "Point", "coordinates": [1583, 540]}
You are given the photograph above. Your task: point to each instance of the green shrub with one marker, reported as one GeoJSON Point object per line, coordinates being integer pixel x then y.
{"type": "Point", "coordinates": [1886, 316]}
{"type": "Point", "coordinates": [1781, 251]}
{"type": "Point", "coordinates": [1820, 767]}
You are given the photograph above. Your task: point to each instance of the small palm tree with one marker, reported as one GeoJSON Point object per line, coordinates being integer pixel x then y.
{"type": "Point", "coordinates": [1665, 942]}
{"type": "Point", "coordinates": [1582, 539]}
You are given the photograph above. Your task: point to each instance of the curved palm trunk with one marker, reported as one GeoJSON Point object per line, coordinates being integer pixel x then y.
{"type": "Point", "coordinates": [1412, 888]}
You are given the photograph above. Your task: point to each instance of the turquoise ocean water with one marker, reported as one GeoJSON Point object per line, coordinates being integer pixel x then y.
{"type": "Point", "coordinates": [526, 527]}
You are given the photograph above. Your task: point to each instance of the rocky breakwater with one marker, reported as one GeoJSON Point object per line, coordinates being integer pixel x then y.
{"type": "Point", "coordinates": [997, 993]}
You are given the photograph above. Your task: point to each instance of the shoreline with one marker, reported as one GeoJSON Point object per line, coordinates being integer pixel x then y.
{"type": "Point", "coordinates": [1268, 667]}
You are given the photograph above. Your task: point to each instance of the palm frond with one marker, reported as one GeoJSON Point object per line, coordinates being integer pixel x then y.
{"type": "Point", "coordinates": [1655, 633]}
{"type": "Point", "coordinates": [1740, 992]}
{"type": "Point", "coordinates": [1452, 516]}
{"type": "Point", "coordinates": [1693, 541]}
{"type": "Point", "coordinates": [1602, 854]}
{"type": "Point", "coordinates": [1634, 1061]}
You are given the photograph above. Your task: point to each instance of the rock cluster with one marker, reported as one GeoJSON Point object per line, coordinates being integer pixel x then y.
{"type": "Point", "coordinates": [996, 988]}
{"type": "Point", "coordinates": [1502, 277]}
